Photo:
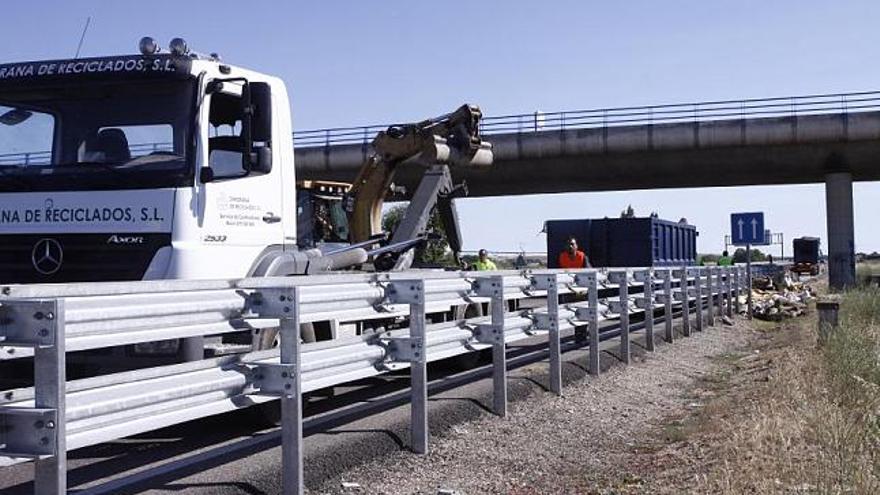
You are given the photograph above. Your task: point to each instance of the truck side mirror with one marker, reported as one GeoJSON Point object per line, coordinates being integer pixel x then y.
{"type": "Point", "coordinates": [261, 117]}
{"type": "Point", "coordinates": [257, 128]}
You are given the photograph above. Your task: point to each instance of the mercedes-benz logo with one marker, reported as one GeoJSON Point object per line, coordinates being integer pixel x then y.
{"type": "Point", "coordinates": [47, 256]}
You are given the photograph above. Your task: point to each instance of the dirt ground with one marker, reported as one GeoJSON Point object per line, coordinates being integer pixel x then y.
{"type": "Point", "coordinates": [664, 424]}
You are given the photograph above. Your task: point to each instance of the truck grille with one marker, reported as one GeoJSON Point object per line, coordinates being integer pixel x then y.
{"type": "Point", "coordinates": [47, 258]}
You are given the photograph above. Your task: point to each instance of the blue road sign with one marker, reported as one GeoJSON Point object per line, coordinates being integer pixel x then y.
{"type": "Point", "coordinates": [747, 228]}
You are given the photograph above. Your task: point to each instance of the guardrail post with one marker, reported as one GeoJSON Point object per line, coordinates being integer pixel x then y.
{"type": "Point", "coordinates": [667, 309]}
{"type": "Point", "coordinates": [291, 400]}
{"type": "Point", "coordinates": [590, 280]}
{"type": "Point", "coordinates": [593, 299]}
{"type": "Point", "coordinates": [728, 288]}
{"type": "Point", "coordinates": [698, 297]}
{"type": "Point", "coordinates": [493, 333]}
{"type": "Point", "coordinates": [555, 344]}
{"type": "Point", "coordinates": [621, 278]}
{"type": "Point", "coordinates": [719, 286]}
{"type": "Point", "coordinates": [38, 432]}
{"type": "Point", "coordinates": [284, 380]}
{"type": "Point", "coordinates": [684, 287]}
{"type": "Point", "coordinates": [548, 282]}
{"type": "Point", "coordinates": [646, 302]}
{"type": "Point", "coordinates": [412, 292]}
{"type": "Point", "coordinates": [710, 297]}
{"type": "Point", "coordinates": [737, 284]}
{"type": "Point", "coordinates": [50, 381]}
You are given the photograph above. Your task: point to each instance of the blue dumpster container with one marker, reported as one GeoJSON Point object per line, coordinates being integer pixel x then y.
{"type": "Point", "coordinates": [625, 242]}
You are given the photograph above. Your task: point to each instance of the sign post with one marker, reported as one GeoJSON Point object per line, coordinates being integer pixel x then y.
{"type": "Point", "coordinates": [747, 229]}
{"type": "Point", "coordinates": [749, 280]}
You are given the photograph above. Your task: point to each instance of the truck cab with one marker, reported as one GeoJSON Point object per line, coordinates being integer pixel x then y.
{"type": "Point", "coordinates": [141, 167]}
{"type": "Point", "coordinates": [806, 256]}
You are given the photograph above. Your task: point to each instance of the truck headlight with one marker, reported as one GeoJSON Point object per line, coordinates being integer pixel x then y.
{"type": "Point", "coordinates": [148, 46]}
{"type": "Point", "coordinates": [178, 47]}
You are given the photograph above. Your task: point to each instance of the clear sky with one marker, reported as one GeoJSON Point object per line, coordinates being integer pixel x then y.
{"type": "Point", "coordinates": [357, 62]}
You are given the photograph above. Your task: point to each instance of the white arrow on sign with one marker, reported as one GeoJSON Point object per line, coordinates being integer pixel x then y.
{"type": "Point", "coordinates": [740, 223]}
{"type": "Point", "coordinates": [754, 228]}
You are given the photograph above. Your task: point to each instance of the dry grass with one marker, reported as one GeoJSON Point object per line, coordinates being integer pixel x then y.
{"type": "Point", "coordinates": [865, 270]}
{"type": "Point", "coordinates": [793, 417]}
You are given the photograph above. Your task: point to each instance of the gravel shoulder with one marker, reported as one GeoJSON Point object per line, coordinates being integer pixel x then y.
{"type": "Point", "coordinates": [593, 439]}
{"type": "Point", "coordinates": [618, 433]}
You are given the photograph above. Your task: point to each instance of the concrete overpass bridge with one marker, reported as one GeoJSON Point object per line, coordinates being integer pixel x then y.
{"type": "Point", "coordinates": [833, 139]}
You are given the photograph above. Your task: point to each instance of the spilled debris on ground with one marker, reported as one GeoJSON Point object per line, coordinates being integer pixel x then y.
{"type": "Point", "coordinates": [778, 298]}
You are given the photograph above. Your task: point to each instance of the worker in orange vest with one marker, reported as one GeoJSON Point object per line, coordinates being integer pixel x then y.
{"type": "Point", "coordinates": [572, 257]}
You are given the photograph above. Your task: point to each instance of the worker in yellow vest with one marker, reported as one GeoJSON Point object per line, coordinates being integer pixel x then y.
{"type": "Point", "coordinates": [483, 263]}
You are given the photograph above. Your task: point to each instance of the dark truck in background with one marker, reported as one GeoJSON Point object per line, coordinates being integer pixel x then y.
{"type": "Point", "coordinates": [620, 242]}
{"type": "Point", "coordinates": [806, 256]}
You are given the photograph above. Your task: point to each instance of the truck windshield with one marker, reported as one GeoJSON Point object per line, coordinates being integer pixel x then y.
{"type": "Point", "coordinates": [94, 136]}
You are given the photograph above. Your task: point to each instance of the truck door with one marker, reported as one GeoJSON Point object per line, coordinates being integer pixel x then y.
{"type": "Point", "coordinates": [242, 211]}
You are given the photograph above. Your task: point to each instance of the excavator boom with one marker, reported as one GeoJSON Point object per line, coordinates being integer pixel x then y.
{"type": "Point", "coordinates": [451, 139]}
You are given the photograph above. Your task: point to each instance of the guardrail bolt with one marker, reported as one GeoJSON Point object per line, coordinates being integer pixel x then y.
{"type": "Point", "coordinates": [44, 332]}
{"type": "Point", "coordinates": [50, 315]}
{"type": "Point", "coordinates": [7, 291]}
{"type": "Point", "coordinates": [282, 298]}
{"type": "Point", "coordinates": [284, 374]}
{"type": "Point", "coordinates": [50, 425]}
{"type": "Point", "coordinates": [39, 424]}
{"type": "Point", "coordinates": [44, 441]}
{"type": "Point", "coordinates": [39, 315]}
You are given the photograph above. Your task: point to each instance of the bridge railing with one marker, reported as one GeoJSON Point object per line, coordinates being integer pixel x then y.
{"type": "Point", "coordinates": [45, 157]}
{"type": "Point", "coordinates": [43, 422]}
{"type": "Point", "coordinates": [789, 106]}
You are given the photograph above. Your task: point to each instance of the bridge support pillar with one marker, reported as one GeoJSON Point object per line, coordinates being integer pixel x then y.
{"type": "Point", "coordinates": [841, 242]}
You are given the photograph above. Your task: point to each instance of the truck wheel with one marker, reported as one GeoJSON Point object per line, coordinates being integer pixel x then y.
{"type": "Point", "coordinates": [465, 311]}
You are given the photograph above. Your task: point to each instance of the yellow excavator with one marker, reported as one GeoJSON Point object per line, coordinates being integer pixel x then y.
{"type": "Point", "coordinates": [434, 145]}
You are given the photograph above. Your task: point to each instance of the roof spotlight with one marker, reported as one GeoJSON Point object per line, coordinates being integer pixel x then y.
{"type": "Point", "coordinates": [178, 47]}
{"type": "Point", "coordinates": [148, 46]}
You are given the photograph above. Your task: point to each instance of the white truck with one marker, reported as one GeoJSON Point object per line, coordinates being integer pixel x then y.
{"type": "Point", "coordinates": [167, 166]}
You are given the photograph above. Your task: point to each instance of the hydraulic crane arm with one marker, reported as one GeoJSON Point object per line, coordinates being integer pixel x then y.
{"type": "Point", "coordinates": [452, 139]}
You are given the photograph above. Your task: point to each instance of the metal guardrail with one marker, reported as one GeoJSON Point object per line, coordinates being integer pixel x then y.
{"type": "Point", "coordinates": [45, 421]}
{"type": "Point", "coordinates": [789, 106]}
